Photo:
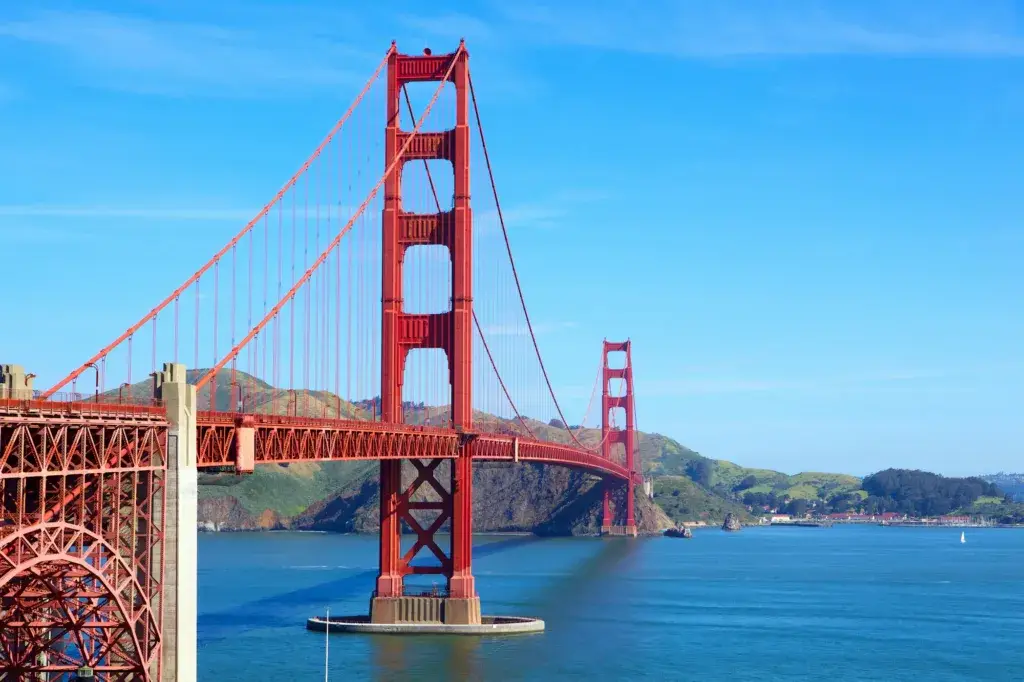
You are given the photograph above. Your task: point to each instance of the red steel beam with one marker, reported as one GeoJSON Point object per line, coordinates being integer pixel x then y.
{"type": "Point", "coordinates": [281, 440]}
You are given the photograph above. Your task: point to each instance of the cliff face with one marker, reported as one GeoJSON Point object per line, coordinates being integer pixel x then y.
{"type": "Point", "coordinates": [546, 500]}
{"type": "Point", "coordinates": [227, 513]}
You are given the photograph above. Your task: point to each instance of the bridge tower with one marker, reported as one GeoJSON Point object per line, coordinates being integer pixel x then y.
{"type": "Point", "coordinates": [450, 331]}
{"type": "Point", "coordinates": [611, 435]}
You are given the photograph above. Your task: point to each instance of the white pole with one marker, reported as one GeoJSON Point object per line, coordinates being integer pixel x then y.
{"type": "Point", "coordinates": [327, 644]}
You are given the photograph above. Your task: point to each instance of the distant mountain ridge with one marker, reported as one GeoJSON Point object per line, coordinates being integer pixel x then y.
{"type": "Point", "coordinates": [1011, 484]}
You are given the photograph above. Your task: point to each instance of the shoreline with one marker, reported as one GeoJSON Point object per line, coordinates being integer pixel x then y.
{"type": "Point", "coordinates": [905, 524]}
{"type": "Point", "coordinates": [204, 529]}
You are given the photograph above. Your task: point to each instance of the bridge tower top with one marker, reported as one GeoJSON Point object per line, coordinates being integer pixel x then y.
{"type": "Point", "coordinates": [622, 371]}
{"type": "Point", "coordinates": [450, 331]}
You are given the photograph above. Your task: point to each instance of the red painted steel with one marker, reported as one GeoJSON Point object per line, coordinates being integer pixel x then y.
{"type": "Point", "coordinates": [611, 435]}
{"type": "Point", "coordinates": [82, 488]}
{"type": "Point", "coordinates": [450, 331]}
{"type": "Point", "coordinates": [282, 440]}
{"type": "Point", "coordinates": [81, 536]}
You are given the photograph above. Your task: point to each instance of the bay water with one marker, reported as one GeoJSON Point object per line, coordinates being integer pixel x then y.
{"type": "Point", "coordinates": [841, 603]}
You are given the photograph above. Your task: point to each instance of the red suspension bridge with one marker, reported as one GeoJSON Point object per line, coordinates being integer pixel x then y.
{"type": "Point", "coordinates": [98, 473]}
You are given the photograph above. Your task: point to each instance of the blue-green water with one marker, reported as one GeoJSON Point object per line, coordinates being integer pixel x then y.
{"type": "Point", "coordinates": [854, 603]}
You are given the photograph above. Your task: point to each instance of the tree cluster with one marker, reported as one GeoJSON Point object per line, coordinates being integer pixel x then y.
{"type": "Point", "coordinates": [769, 499]}
{"type": "Point", "coordinates": [784, 505]}
{"type": "Point", "coordinates": [700, 471]}
{"type": "Point", "coordinates": [747, 482]}
{"type": "Point", "coordinates": [920, 493]}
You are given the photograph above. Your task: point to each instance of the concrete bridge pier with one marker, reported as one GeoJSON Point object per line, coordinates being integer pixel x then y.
{"type": "Point", "coordinates": [180, 595]}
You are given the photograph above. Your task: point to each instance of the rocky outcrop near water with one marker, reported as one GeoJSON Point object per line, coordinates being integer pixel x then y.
{"type": "Point", "coordinates": [681, 532]}
{"type": "Point", "coordinates": [731, 523]}
{"type": "Point", "coordinates": [228, 514]}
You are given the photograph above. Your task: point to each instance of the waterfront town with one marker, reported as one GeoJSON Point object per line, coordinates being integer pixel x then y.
{"type": "Point", "coordinates": [883, 519]}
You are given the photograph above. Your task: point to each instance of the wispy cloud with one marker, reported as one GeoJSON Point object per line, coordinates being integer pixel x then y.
{"type": "Point", "coordinates": [496, 68]}
{"type": "Point", "coordinates": [689, 386]}
{"type": "Point", "coordinates": [42, 236]}
{"type": "Point", "coordinates": [915, 379]}
{"type": "Point", "coordinates": [553, 212]}
{"type": "Point", "coordinates": [720, 28]}
{"type": "Point", "coordinates": [111, 212]}
{"type": "Point", "coordinates": [521, 329]}
{"type": "Point", "coordinates": [451, 26]}
{"type": "Point", "coordinates": [526, 216]}
{"type": "Point", "coordinates": [173, 58]}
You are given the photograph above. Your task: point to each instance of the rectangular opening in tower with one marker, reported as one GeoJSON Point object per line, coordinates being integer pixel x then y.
{"type": "Point", "coordinates": [426, 391]}
{"type": "Point", "coordinates": [617, 417]}
{"type": "Point", "coordinates": [428, 186]}
{"type": "Point", "coordinates": [616, 359]}
{"type": "Point", "coordinates": [418, 94]}
{"type": "Point", "coordinates": [427, 280]}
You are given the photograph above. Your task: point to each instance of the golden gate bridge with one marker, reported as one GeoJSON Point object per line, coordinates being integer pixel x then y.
{"type": "Point", "coordinates": [353, 281]}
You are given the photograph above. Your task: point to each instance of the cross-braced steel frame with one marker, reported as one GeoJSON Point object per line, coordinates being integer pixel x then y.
{"type": "Point", "coordinates": [81, 530]}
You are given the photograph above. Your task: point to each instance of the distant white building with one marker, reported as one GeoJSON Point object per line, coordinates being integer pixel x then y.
{"type": "Point", "coordinates": [781, 518]}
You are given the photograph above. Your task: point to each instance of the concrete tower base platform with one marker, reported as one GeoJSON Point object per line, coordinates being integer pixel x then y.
{"type": "Point", "coordinates": [488, 626]}
{"type": "Point", "coordinates": [621, 531]}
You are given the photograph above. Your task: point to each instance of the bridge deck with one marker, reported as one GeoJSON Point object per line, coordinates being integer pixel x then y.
{"type": "Point", "coordinates": [283, 439]}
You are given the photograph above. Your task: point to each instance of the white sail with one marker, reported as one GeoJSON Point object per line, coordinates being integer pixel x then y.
{"type": "Point", "coordinates": [962, 538]}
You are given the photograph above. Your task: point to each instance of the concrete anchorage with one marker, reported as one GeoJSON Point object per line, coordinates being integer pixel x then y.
{"type": "Point", "coordinates": [15, 384]}
{"type": "Point", "coordinates": [180, 597]}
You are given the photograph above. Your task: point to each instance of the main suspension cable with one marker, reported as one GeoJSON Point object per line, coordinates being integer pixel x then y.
{"type": "Point", "coordinates": [515, 274]}
{"type": "Point", "coordinates": [476, 321]}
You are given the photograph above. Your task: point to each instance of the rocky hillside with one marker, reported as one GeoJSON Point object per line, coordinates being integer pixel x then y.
{"type": "Point", "coordinates": [506, 498]}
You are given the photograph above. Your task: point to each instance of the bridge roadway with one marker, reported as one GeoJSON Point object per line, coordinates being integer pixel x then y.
{"type": "Point", "coordinates": [282, 439]}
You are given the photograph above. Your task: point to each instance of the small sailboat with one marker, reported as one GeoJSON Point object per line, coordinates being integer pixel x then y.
{"type": "Point", "coordinates": [963, 539]}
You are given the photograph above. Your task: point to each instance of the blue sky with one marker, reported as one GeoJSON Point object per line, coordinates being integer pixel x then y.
{"type": "Point", "coordinates": [806, 215]}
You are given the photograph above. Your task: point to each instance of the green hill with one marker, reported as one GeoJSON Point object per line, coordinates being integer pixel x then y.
{"type": "Point", "coordinates": [808, 485]}
{"type": "Point", "coordinates": [683, 501]}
